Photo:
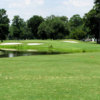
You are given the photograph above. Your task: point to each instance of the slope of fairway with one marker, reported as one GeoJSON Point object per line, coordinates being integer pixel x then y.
{"type": "Point", "coordinates": [51, 77]}
{"type": "Point", "coordinates": [53, 46]}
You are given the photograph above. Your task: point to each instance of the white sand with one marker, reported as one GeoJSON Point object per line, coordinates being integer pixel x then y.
{"type": "Point", "coordinates": [10, 43]}
{"type": "Point", "coordinates": [71, 41]}
{"type": "Point", "coordinates": [31, 50]}
{"type": "Point", "coordinates": [9, 49]}
{"type": "Point", "coordinates": [34, 43]}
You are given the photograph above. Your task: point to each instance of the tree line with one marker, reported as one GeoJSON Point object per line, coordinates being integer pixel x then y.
{"type": "Point", "coordinates": [52, 27]}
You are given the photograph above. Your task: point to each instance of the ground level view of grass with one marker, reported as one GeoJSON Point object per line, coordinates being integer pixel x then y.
{"type": "Point", "coordinates": [55, 46]}
{"type": "Point", "coordinates": [51, 77]}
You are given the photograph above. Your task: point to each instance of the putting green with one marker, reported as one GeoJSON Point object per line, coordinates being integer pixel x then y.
{"type": "Point", "coordinates": [54, 46]}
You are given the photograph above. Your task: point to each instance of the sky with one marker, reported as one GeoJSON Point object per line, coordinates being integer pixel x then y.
{"type": "Point", "coordinates": [27, 8]}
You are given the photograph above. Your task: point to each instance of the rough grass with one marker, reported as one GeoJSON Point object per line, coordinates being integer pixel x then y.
{"type": "Point", "coordinates": [51, 77]}
{"type": "Point", "coordinates": [1, 53]}
{"type": "Point", "coordinates": [56, 46]}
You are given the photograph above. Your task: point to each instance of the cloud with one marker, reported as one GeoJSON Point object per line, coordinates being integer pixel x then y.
{"type": "Point", "coordinates": [40, 2]}
{"type": "Point", "coordinates": [78, 3]}
{"type": "Point", "coordinates": [27, 2]}
{"type": "Point", "coordinates": [14, 5]}
{"type": "Point", "coordinates": [80, 7]}
{"type": "Point", "coordinates": [27, 8]}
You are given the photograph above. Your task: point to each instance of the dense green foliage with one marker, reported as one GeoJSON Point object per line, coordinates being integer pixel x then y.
{"type": "Point", "coordinates": [76, 27]}
{"type": "Point", "coordinates": [4, 24]}
{"type": "Point", "coordinates": [97, 7]}
{"type": "Point", "coordinates": [75, 21]}
{"type": "Point", "coordinates": [33, 24]}
{"type": "Point", "coordinates": [78, 33]}
{"type": "Point", "coordinates": [18, 29]}
{"type": "Point", "coordinates": [92, 21]}
{"type": "Point", "coordinates": [53, 27]}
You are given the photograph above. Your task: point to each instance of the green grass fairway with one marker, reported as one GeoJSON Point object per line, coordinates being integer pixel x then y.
{"type": "Point", "coordinates": [51, 77]}
{"type": "Point", "coordinates": [55, 46]}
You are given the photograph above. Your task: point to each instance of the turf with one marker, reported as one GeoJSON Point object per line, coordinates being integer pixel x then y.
{"type": "Point", "coordinates": [51, 77]}
{"type": "Point", "coordinates": [1, 53]}
{"type": "Point", "coordinates": [56, 46]}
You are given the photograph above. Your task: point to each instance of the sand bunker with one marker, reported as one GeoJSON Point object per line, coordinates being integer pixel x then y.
{"type": "Point", "coordinates": [10, 43]}
{"type": "Point", "coordinates": [71, 41]}
{"type": "Point", "coordinates": [30, 50]}
{"type": "Point", "coordinates": [9, 49]}
{"type": "Point", "coordinates": [35, 43]}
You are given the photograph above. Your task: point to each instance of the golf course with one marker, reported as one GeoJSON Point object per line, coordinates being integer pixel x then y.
{"type": "Point", "coordinates": [73, 73]}
{"type": "Point", "coordinates": [51, 46]}
{"type": "Point", "coordinates": [50, 50]}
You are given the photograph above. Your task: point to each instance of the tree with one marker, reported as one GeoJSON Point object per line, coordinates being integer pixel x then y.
{"type": "Point", "coordinates": [33, 24]}
{"type": "Point", "coordinates": [18, 28]}
{"type": "Point", "coordinates": [75, 21]}
{"type": "Point", "coordinates": [97, 8]}
{"type": "Point", "coordinates": [60, 29]}
{"type": "Point", "coordinates": [53, 28]}
{"type": "Point", "coordinates": [92, 21]}
{"type": "Point", "coordinates": [78, 33]}
{"type": "Point", "coordinates": [4, 25]}
{"type": "Point", "coordinates": [77, 30]}
{"type": "Point", "coordinates": [64, 18]}
{"type": "Point", "coordinates": [44, 30]}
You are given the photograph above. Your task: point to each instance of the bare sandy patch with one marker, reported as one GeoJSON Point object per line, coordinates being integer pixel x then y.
{"type": "Point", "coordinates": [10, 43]}
{"type": "Point", "coordinates": [35, 43]}
{"type": "Point", "coordinates": [71, 41]}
